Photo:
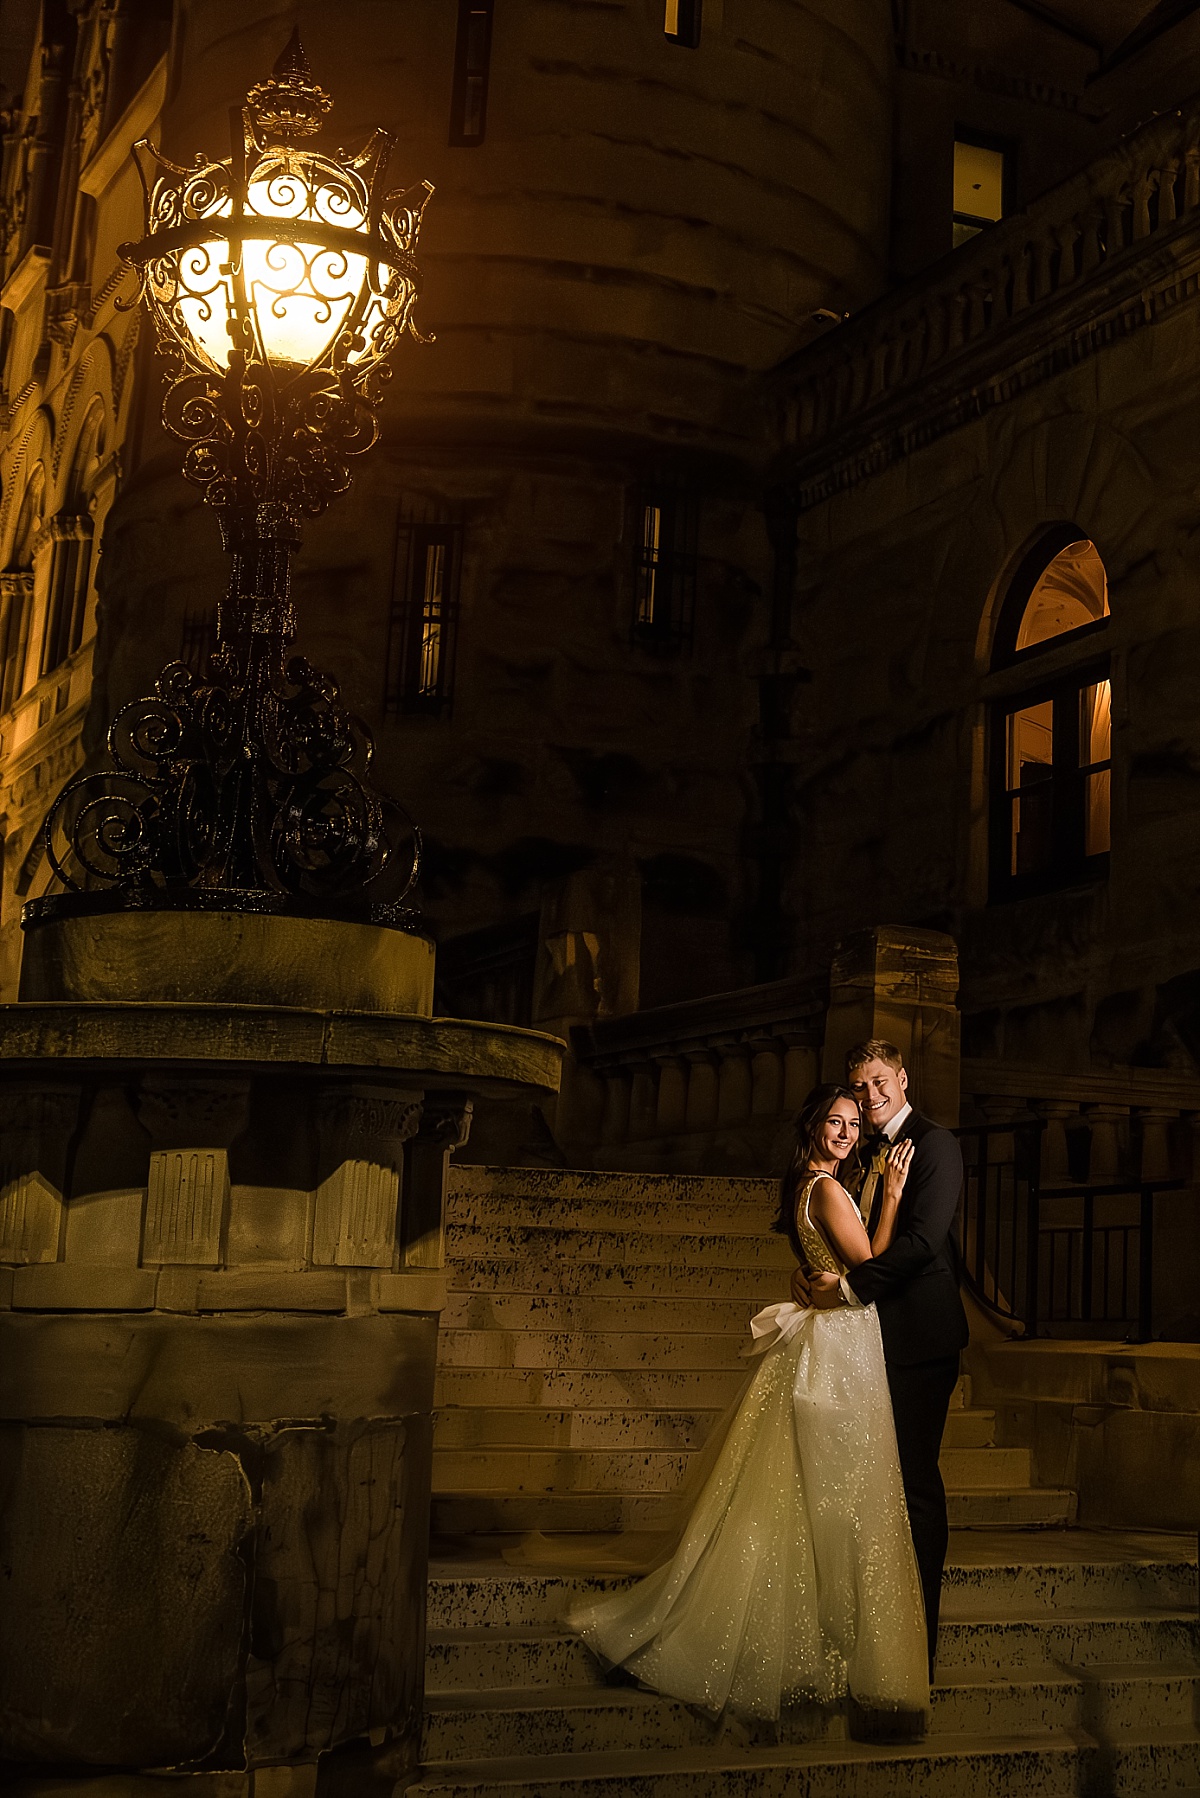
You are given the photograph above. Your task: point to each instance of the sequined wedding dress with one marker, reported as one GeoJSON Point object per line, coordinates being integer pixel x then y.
{"type": "Point", "coordinates": [794, 1581]}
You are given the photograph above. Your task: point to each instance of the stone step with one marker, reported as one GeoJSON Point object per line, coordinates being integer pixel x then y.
{"type": "Point", "coordinates": [483, 1512]}
{"type": "Point", "coordinates": [1042, 1765]}
{"type": "Point", "coordinates": [1054, 1587]}
{"type": "Point", "coordinates": [548, 1310]}
{"type": "Point", "coordinates": [541, 1246]}
{"type": "Point", "coordinates": [533, 1426]}
{"type": "Point", "coordinates": [588, 1719]}
{"type": "Point", "coordinates": [461, 1471]}
{"type": "Point", "coordinates": [1012, 1508]}
{"type": "Point", "coordinates": [493, 1593]}
{"type": "Point", "coordinates": [644, 1470]}
{"type": "Point", "coordinates": [487, 1272]}
{"type": "Point", "coordinates": [530, 1426]}
{"type": "Point", "coordinates": [574, 1186]}
{"type": "Point", "coordinates": [588, 1389]}
{"type": "Point", "coordinates": [473, 1659]}
{"type": "Point", "coordinates": [985, 1469]}
{"type": "Point", "coordinates": [969, 1429]}
{"type": "Point", "coordinates": [487, 1211]}
{"type": "Point", "coordinates": [611, 1350]}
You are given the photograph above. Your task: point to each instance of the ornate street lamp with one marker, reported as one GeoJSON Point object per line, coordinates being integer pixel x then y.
{"type": "Point", "coordinates": [280, 281]}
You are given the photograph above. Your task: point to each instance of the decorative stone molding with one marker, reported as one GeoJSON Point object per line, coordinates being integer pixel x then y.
{"type": "Point", "coordinates": [192, 1123]}
{"type": "Point", "coordinates": [36, 1123]}
{"type": "Point", "coordinates": [361, 1135]}
{"type": "Point", "coordinates": [445, 1125]}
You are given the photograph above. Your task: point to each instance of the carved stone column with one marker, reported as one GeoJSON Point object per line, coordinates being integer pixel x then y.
{"type": "Point", "coordinates": [36, 1123]}
{"type": "Point", "coordinates": [766, 1074]}
{"type": "Point", "coordinates": [1108, 1125]}
{"type": "Point", "coordinates": [1056, 1164]}
{"type": "Point", "coordinates": [443, 1126]}
{"type": "Point", "coordinates": [1156, 1157]}
{"type": "Point", "coordinates": [643, 1102]}
{"type": "Point", "coordinates": [672, 1095]}
{"type": "Point", "coordinates": [615, 1126]}
{"type": "Point", "coordinates": [702, 1090]}
{"type": "Point", "coordinates": [733, 1084]}
{"type": "Point", "coordinates": [192, 1122]}
{"type": "Point", "coordinates": [361, 1133]}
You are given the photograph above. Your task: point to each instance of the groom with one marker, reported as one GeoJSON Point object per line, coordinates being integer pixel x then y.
{"type": "Point", "coordinates": [914, 1285]}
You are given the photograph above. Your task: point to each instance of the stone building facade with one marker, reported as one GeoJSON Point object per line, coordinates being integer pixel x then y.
{"type": "Point", "coordinates": [672, 595]}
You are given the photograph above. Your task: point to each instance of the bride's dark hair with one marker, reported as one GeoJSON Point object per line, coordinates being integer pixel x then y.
{"type": "Point", "coordinates": [812, 1114]}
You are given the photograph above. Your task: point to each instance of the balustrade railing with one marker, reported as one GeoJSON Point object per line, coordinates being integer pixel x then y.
{"type": "Point", "coordinates": [1081, 229]}
{"type": "Point", "coordinates": [677, 1077]}
{"type": "Point", "coordinates": [1076, 1258]}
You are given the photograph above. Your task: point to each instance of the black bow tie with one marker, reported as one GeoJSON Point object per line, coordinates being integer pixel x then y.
{"type": "Point", "coordinates": [873, 1145]}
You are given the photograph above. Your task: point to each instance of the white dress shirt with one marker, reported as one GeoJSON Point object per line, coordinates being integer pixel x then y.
{"type": "Point", "coordinates": [890, 1130]}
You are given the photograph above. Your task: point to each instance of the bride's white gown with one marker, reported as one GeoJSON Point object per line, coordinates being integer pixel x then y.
{"type": "Point", "coordinates": [794, 1581]}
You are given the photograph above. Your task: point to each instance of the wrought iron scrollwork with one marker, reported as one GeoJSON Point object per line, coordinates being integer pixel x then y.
{"type": "Point", "coordinates": [218, 791]}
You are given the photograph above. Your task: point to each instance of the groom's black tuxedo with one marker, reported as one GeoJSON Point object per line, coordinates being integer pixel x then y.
{"type": "Point", "coordinates": [914, 1283]}
{"type": "Point", "coordinates": [914, 1287]}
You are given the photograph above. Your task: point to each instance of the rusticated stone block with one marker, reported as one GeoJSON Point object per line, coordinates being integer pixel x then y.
{"type": "Point", "coordinates": [90, 1670]}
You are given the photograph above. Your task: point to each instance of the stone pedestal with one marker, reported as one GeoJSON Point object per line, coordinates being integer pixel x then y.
{"type": "Point", "coordinates": [220, 1279]}
{"type": "Point", "coordinates": [900, 984]}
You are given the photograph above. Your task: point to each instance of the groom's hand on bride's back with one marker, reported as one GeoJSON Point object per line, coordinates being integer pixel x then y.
{"type": "Point", "coordinates": [821, 1290]}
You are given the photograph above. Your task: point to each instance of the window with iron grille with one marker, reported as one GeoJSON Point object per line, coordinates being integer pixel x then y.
{"type": "Point", "coordinates": [424, 616]}
{"type": "Point", "coordinates": [681, 22]}
{"type": "Point", "coordinates": [664, 602]}
{"type": "Point", "coordinates": [472, 61]}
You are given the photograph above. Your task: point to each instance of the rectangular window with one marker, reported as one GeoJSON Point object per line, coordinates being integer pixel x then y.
{"type": "Point", "coordinates": [70, 572]}
{"type": "Point", "coordinates": [665, 571]}
{"type": "Point", "coordinates": [1053, 787]}
{"type": "Point", "coordinates": [424, 617]}
{"type": "Point", "coordinates": [681, 22]}
{"type": "Point", "coordinates": [981, 175]}
{"type": "Point", "coordinates": [472, 60]}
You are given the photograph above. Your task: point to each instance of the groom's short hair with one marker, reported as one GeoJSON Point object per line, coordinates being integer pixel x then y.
{"type": "Point", "coordinates": [874, 1049]}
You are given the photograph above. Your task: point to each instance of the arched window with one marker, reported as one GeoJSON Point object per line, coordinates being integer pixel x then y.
{"type": "Point", "coordinates": [16, 592]}
{"type": "Point", "coordinates": [1052, 738]}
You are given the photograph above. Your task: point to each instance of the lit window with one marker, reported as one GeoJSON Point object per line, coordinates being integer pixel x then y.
{"type": "Point", "coordinates": [979, 183]}
{"type": "Point", "coordinates": [665, 571]}
{"type": "Point", "coordinates": [681, 22]}
{"type": "Point", "coordinates": [1052, 746]}
{"type": "Point", "coordinates": [424, 615]}
{"type": "Point", "coordinates": [472, 59]}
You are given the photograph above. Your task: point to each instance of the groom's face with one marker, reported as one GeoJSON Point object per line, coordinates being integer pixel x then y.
{"type": "Point", "coordinates": [881, 1092]}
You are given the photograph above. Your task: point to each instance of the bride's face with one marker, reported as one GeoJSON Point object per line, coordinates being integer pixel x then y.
{"type": "Point", "coordinates": [838, 1132]}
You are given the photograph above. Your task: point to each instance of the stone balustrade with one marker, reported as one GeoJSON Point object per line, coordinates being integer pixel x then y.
{"type": "Point", "coordinates": [1061, 255]}
{"type": "Point", "coordinates": [708, 1083]}
{"type": "Point", "coordinates": [1132, 1124]}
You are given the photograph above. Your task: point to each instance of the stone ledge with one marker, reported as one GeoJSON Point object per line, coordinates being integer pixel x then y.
{"type": "Point", "coordinates": [63, 1286]}
{"type": "Point", "coordinates": [416, 1289]}
{"type": "Point", "coordinates": [88, 1286]}
{"type": "Point", "coordinates": [426, 1053]}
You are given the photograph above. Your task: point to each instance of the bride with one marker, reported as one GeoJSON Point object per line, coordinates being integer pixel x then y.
{"type": "Point", "coordinates": [794, 1583]}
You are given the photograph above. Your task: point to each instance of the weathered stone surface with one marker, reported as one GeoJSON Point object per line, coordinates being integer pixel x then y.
{"type": "Point", "coordinates": [89, 1670]}
{"type": "Point", "coordinates": [440, 1052]}
{"type": "Point", "coordinates": [204, 957]}
{"type": "Point", "coordinates": [338, 1587]}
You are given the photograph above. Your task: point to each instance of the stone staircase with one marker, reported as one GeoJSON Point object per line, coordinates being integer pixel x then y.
{"type": "Point", "coordinates": [593, 1337]}
{"type": "Point", "coordinates": [591, 1340]}
{"type": "Point", "coordinates": [1072, 1674]}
